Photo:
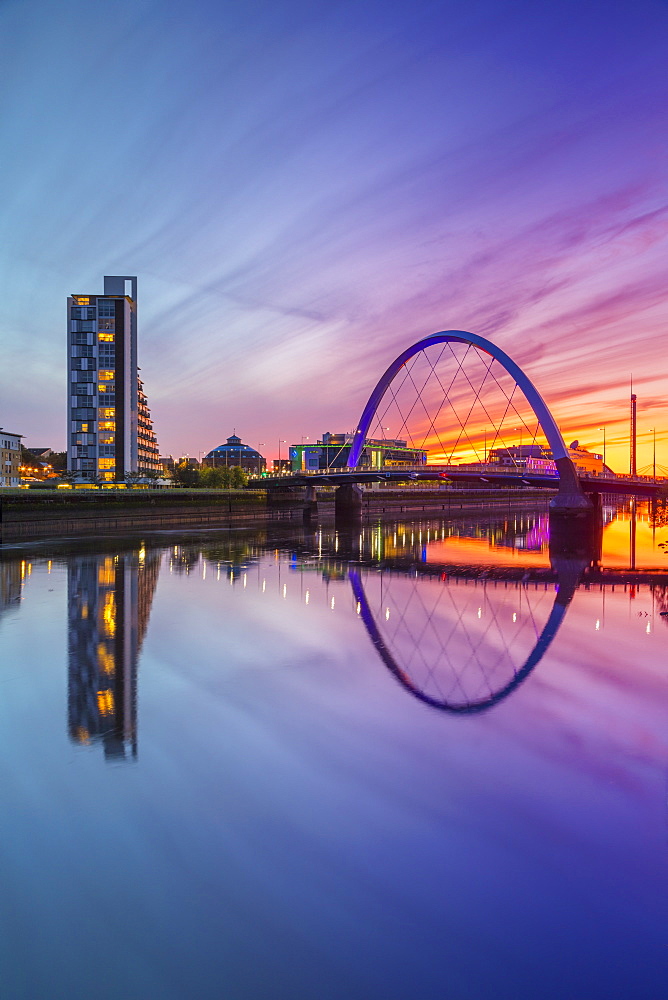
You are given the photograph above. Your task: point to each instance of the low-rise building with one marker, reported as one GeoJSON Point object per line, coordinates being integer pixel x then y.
{"type": "Point", "coordinates": [538, 458]}
{"type": "Point", "coordinates": [332, 451]}
{"type": "Point", "coordinates": [10, 458]}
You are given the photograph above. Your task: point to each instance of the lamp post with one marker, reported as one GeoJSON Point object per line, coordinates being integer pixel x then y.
{"type": "Point", "coordinates": [603, 429]}
{"type": "Point", "coordinates": [280, 442]}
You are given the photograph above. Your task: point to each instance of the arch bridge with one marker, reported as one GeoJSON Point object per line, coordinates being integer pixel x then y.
{"type": "Point", "coordinates": [461, 400]}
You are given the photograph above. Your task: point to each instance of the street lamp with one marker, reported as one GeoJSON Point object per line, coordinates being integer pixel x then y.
{"type": "Point", "coordinates": [603, 429]}
{"type": "Point", "coordinates": [280, 442]}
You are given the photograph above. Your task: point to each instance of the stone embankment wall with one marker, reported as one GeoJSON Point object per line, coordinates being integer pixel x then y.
{"type": "Point", "coordinates": [36, 514]}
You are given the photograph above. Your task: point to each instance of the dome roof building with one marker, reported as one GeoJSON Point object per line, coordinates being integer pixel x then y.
{"type": "Point", "coordinates": [234, 453]}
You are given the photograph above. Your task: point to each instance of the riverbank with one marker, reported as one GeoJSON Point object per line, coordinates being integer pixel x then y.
{"type": "Point", "coordinates": [37, 514]}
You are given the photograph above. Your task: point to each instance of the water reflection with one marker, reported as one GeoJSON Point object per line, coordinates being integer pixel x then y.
{"type": "Point", "coordinates": [11, 582]}
{"type": "Point", "coordinates": [109, 600]}
{"type": "Point", "coordinates": [460, 635]}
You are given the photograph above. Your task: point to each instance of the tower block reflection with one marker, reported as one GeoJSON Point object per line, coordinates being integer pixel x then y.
{"type": "Point", "coordinates": [109, 602]}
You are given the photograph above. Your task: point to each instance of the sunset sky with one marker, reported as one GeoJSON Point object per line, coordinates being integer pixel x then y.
{"type": "Point", "coordinates": [305, 190]}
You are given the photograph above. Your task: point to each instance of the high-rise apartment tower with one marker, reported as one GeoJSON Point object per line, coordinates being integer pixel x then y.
{"type": "Point", "coordinates": [110, 433]}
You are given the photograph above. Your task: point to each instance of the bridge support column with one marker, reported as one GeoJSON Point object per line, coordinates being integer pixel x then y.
{"type": "Point", "coordinates": [310, 503]}
{"type": "Point", "coordinates": [348, 503]}
{"type": "Point", "coordinates": [570, 498]}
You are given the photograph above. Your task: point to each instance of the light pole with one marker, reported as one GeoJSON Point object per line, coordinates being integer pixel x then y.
{"type": "Point", "coordinates": [653, 429]}
{"type": "Point", "coordinates": [280, 442]}
{"type": "Point", "coordinates": [519, 461]}
{"type": "Point", "coordinates": [603, 429]}
{"type": "Point", "coordinates": [260, 444]}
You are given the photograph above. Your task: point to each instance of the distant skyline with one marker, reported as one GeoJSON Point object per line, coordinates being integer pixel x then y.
{"type": "Point", "coordinates": [305, 191]}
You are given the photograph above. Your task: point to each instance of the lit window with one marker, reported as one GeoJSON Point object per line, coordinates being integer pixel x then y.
{"type": "Point", "coordinates": [105, 375]}
{"type": "Point", "coordinates": [105, 702]}
{"type": "Point", "coordinates": [106, 338]}
{"type": "Point", "coordinates": [107, 425]}
{"type": "Point", "coordinates": [107, 463]}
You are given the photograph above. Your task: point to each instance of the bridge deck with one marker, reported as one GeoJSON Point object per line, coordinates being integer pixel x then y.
{"type": "Point", "coordinates": [638, 485]}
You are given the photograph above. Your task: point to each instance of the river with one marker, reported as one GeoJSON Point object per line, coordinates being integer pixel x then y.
{"type": "Point", "coordinates": [420, 761]}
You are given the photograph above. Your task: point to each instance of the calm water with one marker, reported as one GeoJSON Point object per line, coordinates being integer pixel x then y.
{"type": "Point", "coordinates": [417, 765]}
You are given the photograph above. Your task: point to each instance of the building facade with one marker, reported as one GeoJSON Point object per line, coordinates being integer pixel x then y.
{"type": "Point", "coordinates": [110, 432]}
{"type": "Point", "coordinates": [10, 458]}
{"type": "Point", "coordinates": [332, 452]}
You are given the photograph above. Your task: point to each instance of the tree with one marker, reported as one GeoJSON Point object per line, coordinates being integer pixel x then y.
{"type": "Point", "coordinates": [213, 479]}
{"type": "Point", "coordinates": [185, 476]}
{"type": "Point", "coordinates": [239, 478]}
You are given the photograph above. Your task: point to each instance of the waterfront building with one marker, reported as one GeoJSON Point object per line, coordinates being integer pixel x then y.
{"type": "Point", "coordinates": [110, 432]}
{"type": "Point", "coordinates": [332, 451]}
{"type": "Point", "coordinates": [235, 453]}
{"type": "Point", "coordinates": [10, 458]}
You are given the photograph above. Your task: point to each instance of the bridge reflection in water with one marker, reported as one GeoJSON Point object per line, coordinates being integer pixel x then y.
{"type": "Point", "coordinates": [461, 649]}
{"type": "Point", "coordinates": [458, 637]}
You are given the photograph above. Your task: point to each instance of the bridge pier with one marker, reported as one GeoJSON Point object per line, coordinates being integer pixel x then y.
{"type": "Point", "coordinates": [348, 504]}
{"type": "Point", "coordinates": [310, 503]}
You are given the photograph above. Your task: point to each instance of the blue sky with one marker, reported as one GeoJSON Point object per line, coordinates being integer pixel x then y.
{"type": "Point", "coordinates": [304, 191]}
